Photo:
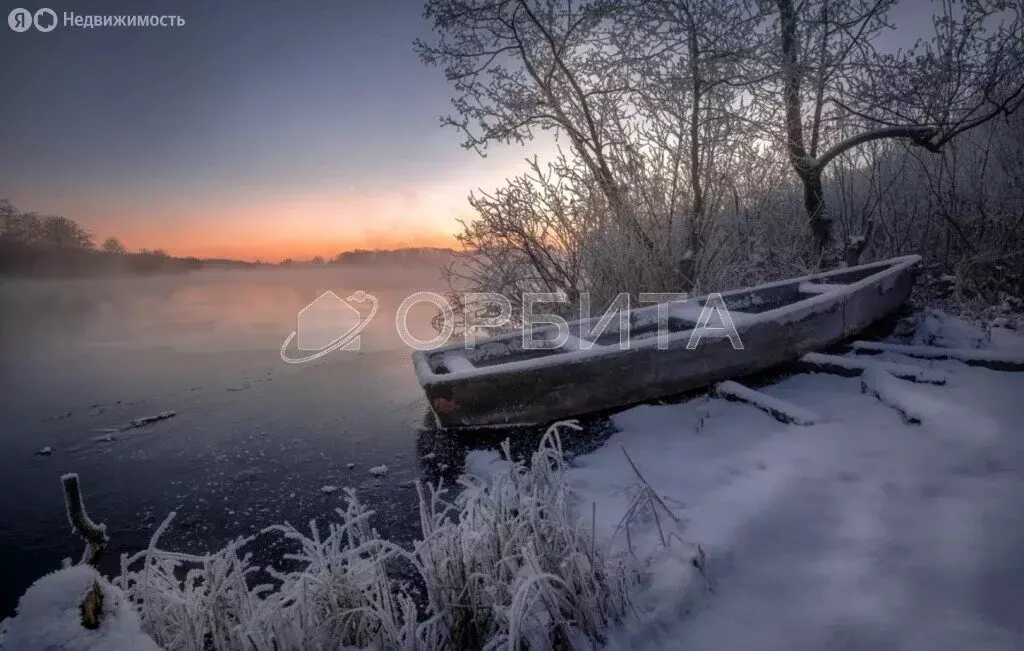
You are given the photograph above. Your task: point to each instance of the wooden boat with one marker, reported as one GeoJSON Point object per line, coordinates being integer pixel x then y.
{"type": "Point", "coordinates": [499, 382]}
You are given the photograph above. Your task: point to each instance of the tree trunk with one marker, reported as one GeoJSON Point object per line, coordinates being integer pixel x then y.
{"type": "Point", "coordinates": [688, 260]}
{"type": "Point", "coordinates": [817, 213]}
{"type": "Point", "coordinates": [804, 164]}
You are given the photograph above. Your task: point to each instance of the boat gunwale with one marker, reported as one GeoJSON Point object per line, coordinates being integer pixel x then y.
{"type": "Point", "coordinates": [427, 377]}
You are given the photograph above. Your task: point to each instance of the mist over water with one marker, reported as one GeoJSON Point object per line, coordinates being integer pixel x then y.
{"type": "Point", "coordinates": [206, 311]}
{"type": "Point", "coordinates": [254, 438]}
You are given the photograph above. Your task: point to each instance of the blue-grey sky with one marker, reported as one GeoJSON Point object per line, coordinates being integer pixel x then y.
{"type": "Point", "coordinates": [253, 113]}
{"type": "Point", "coordinates": [260, 128]}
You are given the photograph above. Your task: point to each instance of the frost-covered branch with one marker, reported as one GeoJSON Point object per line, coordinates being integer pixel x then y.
{"type": "Point", "coordinates": [94, 535]}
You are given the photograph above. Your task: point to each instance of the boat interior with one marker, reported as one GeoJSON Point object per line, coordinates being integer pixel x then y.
{"type": "Point", "coordinates": [682, 316]}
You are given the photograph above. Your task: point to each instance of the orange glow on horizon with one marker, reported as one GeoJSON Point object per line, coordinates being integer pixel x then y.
{"type": "Point", "coordinates": [271, 230]}
{"type": "Point", "coordinates": [276, 251]}
{"type": "Point", "coordinates": [256, 239]}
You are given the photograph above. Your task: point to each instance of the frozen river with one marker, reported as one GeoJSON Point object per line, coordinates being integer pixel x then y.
{"type": "Point", "coordinates": [253, 440]}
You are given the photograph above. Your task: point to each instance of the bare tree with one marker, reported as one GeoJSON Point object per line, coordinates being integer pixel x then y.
{"type": "Point", "coordinates": [642, 92]}
{"type": "Point", "coordinates": [530, 235]}
{"type": "Point", "coordinates": [518, 66]}
{"type": "Point", "coordinates": [839, 92]}
{"type": "Point", "coordinates": [688, 61]}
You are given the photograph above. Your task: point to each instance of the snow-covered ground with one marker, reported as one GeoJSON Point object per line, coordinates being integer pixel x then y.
{"type": "Point", "coordinates": [859, 532]}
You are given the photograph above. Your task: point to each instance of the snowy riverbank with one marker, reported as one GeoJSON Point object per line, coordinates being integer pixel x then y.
{"type": "Point", "coordinates": [863, 530]}
{"type": "Point", "coordinates": [860, 532]}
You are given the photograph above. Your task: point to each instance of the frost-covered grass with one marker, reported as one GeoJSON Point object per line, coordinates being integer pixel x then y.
{"type": "Point", "coordinates": [516, 565]}
{"type": "Point", "coordinates": [507, 563]}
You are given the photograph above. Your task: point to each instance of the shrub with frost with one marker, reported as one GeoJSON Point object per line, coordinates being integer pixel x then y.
{"type": "Point", "coordinates": [507, 563]}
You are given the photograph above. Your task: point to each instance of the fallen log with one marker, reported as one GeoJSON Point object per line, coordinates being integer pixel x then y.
{"type": "Point", "coordinates": [997, 360]}
{"type": "Point", "coordinates": [854, 367]}
{"type": "Point", "coordinates": [888, 390]}
{"type": "Point", "coordinates": [780, 410]}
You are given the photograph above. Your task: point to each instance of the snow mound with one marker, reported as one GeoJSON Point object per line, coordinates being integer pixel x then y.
{"type": "Point", "coordinates": [485, 464]}
{"type": "Point", "coordinates": [378, 471]}
{"type": "Point", "coordinates": [936, 328]}
{"type": "Point", "coordinates": [50, 616]}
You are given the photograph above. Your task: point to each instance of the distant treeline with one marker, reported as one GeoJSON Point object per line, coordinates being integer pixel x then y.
{"type": "Point", "coordinates": [52, 245]}
{"type": "Point", "coordinates": [33, 244]}
{"type": "Point", "coordinates": [379, 256]}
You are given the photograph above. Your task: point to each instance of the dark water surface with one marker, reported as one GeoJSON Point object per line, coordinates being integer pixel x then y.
{"type": "Point", "coordinates": [253, 440]}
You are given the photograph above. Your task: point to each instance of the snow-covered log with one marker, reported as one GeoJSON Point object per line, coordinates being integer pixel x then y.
{"type": "Point", "coordinates": [781, 410]}
{"type": "Point", "coordinates": [853, 367]}
{"type": "Point", "coordinates": [998, 360]}
{"type": "Point", "coordinates": [890, 391]}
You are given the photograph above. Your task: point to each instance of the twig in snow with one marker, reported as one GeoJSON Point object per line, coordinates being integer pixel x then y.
{"type": "Point", "coordinates": [92, 607]}
{"type": "Point", "coordinates": [646, 499]}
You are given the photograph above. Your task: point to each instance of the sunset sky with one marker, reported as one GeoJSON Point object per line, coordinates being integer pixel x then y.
{"type": "Point", "coordinates": [260, 129]}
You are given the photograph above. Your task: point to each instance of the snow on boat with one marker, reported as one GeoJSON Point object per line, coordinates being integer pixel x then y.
{"type": "Point", "coordinates": [501, 382]}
